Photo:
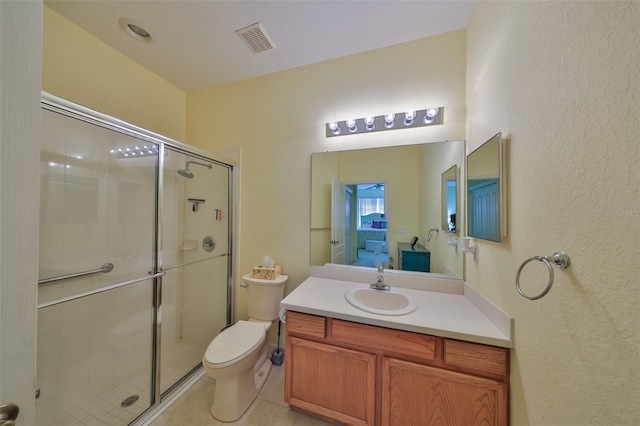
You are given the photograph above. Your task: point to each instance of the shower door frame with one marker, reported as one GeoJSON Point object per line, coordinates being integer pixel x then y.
{"type": "Point", "coordinates": [72, 110]}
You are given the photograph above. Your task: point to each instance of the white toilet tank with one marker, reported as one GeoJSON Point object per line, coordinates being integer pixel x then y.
{"type": "Point", "coordinates": [264, 297]}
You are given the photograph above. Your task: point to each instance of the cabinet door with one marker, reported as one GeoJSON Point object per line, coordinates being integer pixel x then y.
{"type": "Point", "coordinates": [414, 394]}
{"type": "Point", "coordinates": [333, 382]}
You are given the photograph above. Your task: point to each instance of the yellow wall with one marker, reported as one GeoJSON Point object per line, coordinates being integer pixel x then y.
{"type": "Point", "coordinates": [80, 68]}
{"type": "Point", "coordinates": [561, 79]}
{"type": "Point", "coordinates": [435, 159]}
{"type": "Point", "coordinates": [279, 121]}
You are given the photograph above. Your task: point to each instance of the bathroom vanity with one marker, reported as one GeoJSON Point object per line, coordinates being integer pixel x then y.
{"type": "Point", "coordinates": [444, 363]}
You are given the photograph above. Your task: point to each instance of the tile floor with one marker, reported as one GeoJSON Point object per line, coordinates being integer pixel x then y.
{"type": "Point", "coordinates": [269, 408]}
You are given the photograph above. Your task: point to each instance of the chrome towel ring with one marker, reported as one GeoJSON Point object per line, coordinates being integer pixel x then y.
{"type": "Point", "coordinates": [560, 258]}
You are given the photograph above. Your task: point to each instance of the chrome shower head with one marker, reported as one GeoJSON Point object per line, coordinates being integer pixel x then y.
{"type": "Point", "coordinates": [188, 173]}
{"type": "Point", "coordinates": [185, 173]}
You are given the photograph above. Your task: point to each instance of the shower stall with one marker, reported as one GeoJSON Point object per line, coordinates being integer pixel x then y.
{"type": "Point", "coordinates": [135, 265]}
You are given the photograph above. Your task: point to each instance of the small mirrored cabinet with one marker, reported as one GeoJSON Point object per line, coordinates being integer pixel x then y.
{"type": "Point", "coordinates": [450, 200]}
{"type": "Point", "coordinates": [486, 191]}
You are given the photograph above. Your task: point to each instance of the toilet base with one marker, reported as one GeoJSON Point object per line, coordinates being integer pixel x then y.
{"type": "Point", "coordinates": [234, 395]}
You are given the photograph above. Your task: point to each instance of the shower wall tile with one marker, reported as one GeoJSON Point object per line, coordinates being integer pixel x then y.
{"type": "Point", "coordinates": [80, 213]}
{"type": "Point", "coordinates": [81, 157]}
{"type": "Point", "coordinates": [86, 134]}
{"type": "Point", "coordinates": [52, 213]}
{"type": "Point", "coordinates": [51, 235]}
{"type": "Point", "coordinates": [75, 354]}
{"type": "Point", "coordinates": [78, 256]}
{"type": "Point", "coordinates": [48, 355]}
{"type": "Point", "coordinates": [52, 192]}
{"type": "Point", "coordinates": [52, 148]}
{"type": "Point", "coordinates": [80, 194]}
{"type": "Point", "coordinates": [53, 126]}
{"type": "Point", "coordinates": [78, 233]}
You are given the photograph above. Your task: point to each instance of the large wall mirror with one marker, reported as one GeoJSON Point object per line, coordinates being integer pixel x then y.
{"type": "Point", "coordinates": [486, 191]}
{"type": "Point", "coordinates": [365, 202]}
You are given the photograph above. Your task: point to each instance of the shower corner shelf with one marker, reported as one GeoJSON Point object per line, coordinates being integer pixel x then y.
{"type": "Point", "coordinates": [189, 245]}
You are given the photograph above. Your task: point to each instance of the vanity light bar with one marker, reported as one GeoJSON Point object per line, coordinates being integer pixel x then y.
{"type": "Point", "coordinates": [425, 117]}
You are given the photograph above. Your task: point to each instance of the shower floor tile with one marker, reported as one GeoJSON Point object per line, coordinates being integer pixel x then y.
{"type": "Point", "coordinates": [103, 407]}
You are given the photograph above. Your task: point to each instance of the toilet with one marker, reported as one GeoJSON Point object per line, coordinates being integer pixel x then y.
{"type": "Point", "coordinates": [237, 358]}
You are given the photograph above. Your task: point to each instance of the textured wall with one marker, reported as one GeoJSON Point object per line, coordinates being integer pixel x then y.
{"type": "Point", "coordinates": [561, 79]}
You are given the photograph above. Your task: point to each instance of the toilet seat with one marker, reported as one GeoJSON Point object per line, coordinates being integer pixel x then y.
{"type": "Point", "coordinates": [234, 344]}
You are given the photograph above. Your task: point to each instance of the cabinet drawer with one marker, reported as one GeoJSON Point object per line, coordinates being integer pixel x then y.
{"type": "Point", "coordinates": [305, 324]}
{"type": "Point", "coordinates": [486, 359]}
{"type": "Point", "coordinates": [415, 345]}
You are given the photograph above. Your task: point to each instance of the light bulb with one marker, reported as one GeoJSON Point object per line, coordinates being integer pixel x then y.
{"type": "Point", "coordinates": [430, 115]}
{"type": "Point", "coordinates": [370, 123]}
{"type": "Point", "coordinates": [408, 118]}
{"type": "Point", "coordinates": [335, 129]}
{"type": "Point", "coordinates": [389, 120]}
{"type": "Point", "coordinates": [351, 125]}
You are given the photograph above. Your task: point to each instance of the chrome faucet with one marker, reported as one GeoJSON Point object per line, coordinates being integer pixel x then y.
{"type": "Point", "coordinates": [380, 285]}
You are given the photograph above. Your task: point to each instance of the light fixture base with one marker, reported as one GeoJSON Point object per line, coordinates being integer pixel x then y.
{"type": "Point", "coordinates": [431, 116]}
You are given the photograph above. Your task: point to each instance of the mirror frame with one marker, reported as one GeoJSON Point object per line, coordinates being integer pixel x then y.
{"type": "Point", "coordinates": [445, 198]}
{"type": "Point", "coordinates": [502, 188]}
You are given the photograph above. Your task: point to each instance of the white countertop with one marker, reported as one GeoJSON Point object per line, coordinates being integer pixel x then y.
{"type": "Point", "coordinates": [438, 313]}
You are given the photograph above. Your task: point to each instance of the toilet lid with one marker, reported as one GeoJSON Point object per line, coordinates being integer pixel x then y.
{"type": "Point", "coordinates": [235, 342]}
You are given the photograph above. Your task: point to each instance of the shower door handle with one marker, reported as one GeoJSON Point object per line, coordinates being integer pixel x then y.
{"type": "Point", "coordinates": [8, 414]}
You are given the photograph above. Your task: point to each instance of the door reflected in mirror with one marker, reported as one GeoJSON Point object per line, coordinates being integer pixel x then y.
{"type": "Point", "coordinates": [389, 195]}
{"type": "Point", "coordinates": [450, 199]}
{"type": "Point", "coordinates": [486, 196]}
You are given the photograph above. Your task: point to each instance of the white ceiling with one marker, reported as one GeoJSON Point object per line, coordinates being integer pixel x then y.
{"type": "Point", "coordinates": [194, 44]}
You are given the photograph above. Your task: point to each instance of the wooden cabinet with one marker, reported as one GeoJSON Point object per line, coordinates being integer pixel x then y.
{"type": "Point", "coordinates": [338, 383]}
{"type": "Point", "coordinates": [359, 374]}
{"type": "Point", "coordinates": [415, 258]}
{"type": "Point", "coordinates": [419, 394]}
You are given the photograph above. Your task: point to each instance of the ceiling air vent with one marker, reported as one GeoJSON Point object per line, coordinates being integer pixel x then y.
{"type": "Point", "coordinates": [256, 38]}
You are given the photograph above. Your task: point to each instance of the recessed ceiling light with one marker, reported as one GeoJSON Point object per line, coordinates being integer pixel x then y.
{"type": "Point", "coordinates": [134, 29]}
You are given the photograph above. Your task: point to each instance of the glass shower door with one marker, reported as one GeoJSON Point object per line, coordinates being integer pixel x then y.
{"type": "Point", "coordinates": [95, 330]}
{"type": "Point", "coordinates": [194, 253]}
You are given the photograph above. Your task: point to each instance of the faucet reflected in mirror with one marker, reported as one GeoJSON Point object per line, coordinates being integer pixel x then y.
{"type": "Point", "coordinates": [412, 179]}
{"type": "Point", "coordinates": [379, 284]}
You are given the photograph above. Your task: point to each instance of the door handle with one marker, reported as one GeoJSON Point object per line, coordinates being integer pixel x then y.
{"type": "Point", "coordinates": [8, 414]}
{"type": "Point", "coordinates": [334, 242]}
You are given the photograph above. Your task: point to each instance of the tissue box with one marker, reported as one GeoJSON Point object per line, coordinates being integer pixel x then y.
{"type": "Point", "coordinates": [266, 273]}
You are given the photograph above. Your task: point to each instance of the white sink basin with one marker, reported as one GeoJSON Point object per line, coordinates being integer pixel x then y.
{"type": "Point", "coordinates": [381, 302]}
